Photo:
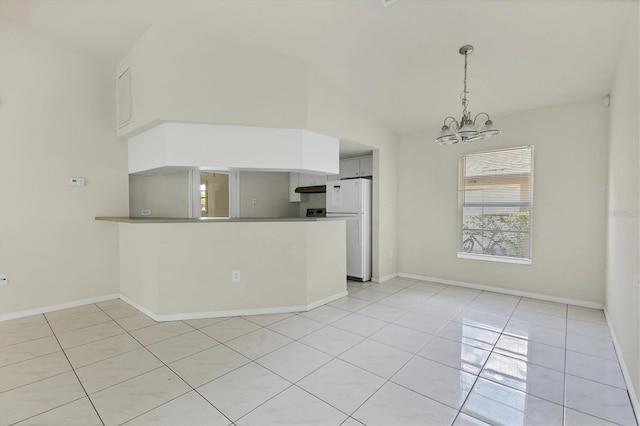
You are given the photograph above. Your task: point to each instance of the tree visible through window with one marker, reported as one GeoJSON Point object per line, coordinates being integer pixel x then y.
{"type": "Point", "coordinates": [496, 195]}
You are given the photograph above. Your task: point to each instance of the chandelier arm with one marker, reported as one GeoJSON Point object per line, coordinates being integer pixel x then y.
{"type": "Point", "coordinates": [465, 130]}
{"type": "Point", "coordinates": [453, 123]}
{"type": "Point", "coordinates": [478, 115]}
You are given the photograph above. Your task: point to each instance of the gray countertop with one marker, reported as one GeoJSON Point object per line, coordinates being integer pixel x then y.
{"type": "Point", "coordinates": [214, 220]}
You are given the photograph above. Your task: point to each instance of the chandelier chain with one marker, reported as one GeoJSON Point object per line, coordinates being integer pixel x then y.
{"type": "Point", "coordinates": [465, 130]}
{"type": "Point", "coordinates": [464, 91]}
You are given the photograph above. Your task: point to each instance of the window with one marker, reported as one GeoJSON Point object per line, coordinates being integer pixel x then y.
{"type": "Point", "coordinates": [217, 193]}
{"type": "Point", "coordinates": [496, 197]}
{"type": "Point", "coordinates": [203, 197]}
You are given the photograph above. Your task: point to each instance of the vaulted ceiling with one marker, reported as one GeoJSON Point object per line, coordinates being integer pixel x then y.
{"type": "Point", "coordinates": [400, 61]}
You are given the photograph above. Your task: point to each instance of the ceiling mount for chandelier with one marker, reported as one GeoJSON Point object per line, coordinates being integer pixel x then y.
{"type": "Point", "coordinates": [465, 130]}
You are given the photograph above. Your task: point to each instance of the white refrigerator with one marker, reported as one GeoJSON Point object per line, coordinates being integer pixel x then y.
{"type": "Point", "coordinates": [351, 199]}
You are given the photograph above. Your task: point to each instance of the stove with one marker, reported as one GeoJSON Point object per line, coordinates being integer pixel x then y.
{"type": "Point", "coordinates": [317, 212]}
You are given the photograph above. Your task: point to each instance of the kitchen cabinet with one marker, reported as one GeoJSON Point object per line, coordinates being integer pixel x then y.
{"type": "Point", "coordinates": [366, 167]}
{"type": "Point", "coordinates": [306, 179]}
{"type": "Point", "coordinates": [294, 182]}
{"type": "Point", "coordinates": [356, 167]}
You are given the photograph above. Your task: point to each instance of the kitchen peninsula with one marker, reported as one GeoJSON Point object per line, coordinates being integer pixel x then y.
{"type": "Point", "coordinates": [182, 268]}
{"type": "Point", "coordinates": [196, 268]}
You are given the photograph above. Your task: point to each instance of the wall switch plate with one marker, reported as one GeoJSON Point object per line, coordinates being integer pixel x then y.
{"type": "Point", "coordinates": [4, 279]}
{"type": "Point", "coordinates": [76, 181]}
{"type": "Point", "coordinates": [235, 276]}
{"type": "Point", "coordinates": [145, 212]}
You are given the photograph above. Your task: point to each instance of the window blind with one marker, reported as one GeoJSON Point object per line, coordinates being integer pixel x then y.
{"type": "Point", "coordinates": [496, 197]}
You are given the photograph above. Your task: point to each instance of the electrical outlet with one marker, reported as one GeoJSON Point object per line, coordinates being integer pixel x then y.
{"type": "Point", "coordinates": [235, 276]}
{"type": "Point", "coordinates": [145, 212]}
{"type": "Point", "coordinates": [254, 201]}
{"type": "Point", "coordinates": [391, 254]}
{"type": "Point", "coordinates": [4, 279]}
{"type": "Point", "coordinates": [76, 181]}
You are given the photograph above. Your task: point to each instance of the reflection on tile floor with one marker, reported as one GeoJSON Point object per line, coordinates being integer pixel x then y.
{"type": "Point", "coordinates": [403, 352]}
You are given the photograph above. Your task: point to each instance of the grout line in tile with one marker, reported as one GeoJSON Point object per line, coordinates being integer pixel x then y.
{"type": "Point", "coordinates": [113, 356]}
{"type": "Point", "coordinates": [17, 327]}
{"type": "Point", "coordinates": [177, 375]}
{"type": "Point", "coordinates": [35, 381]}
{"type": "Point", "coordinates": [387, 380]}
{"type": "Point", "coordinates": [197, 328]}
{"type": "Point", "coordinates": [333, 406]}
{"type": "Point", "coordinates": [413, 356]}
{"type": "Point", "coordinates": [595, 381]}
{"type": "Point", "coordinates": [93, 341]}
{"type": "Point", "coordinates": [76, 374]}
{"type": "Point", "coordinates": [287, 380]}
{"type": "Point", "coordinates": [588, 414]}
{"type": "Point", "coordinates": [55, 408]}
{"type": "Point", "coordinates": [187, 356]}
{"type": "Point", "coordinates": [162, 340]}
{"type": "Point", "coordinates": [83, 327]}
{"type": "Point", "coordinates": [32, 358]}
{"type": "Point", "coordinates": [490, 353]}
{"type": "Point", "coordinates": [250, 361]}
{"type": "Point", "coordinates": [121, 318]}
{"type": "Point", "coordinates": [255, 408]}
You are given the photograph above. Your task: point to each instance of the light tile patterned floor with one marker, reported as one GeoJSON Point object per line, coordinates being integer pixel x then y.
{"type": "Point", "coordinates": [403, 352]}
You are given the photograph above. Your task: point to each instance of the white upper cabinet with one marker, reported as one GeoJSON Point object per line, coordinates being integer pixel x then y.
{"type": "Point", "coordinates": [356, 167]}
{"type": "Point", "coordinates": [366, 166]}
{"type": "Point", "coordinates": [294, 182]}
{"type": "Point", "coordinates": [311, 180]}
{"type": "Point", "coordinates": [349, 168]}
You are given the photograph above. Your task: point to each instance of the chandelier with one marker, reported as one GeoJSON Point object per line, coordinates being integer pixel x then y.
{"type": "Point", "coordinates": [465, 130]}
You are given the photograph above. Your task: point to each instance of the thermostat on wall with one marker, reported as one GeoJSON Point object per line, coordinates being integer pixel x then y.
{"type": "Point", "coordinates": [76, 181]}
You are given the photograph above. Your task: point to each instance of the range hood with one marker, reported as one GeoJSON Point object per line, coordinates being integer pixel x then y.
{"type": "Point", "coordinates": [317, 189]}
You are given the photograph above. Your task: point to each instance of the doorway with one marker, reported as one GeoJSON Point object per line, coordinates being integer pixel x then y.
{"type": "Point", "coordinates": [214, 194]}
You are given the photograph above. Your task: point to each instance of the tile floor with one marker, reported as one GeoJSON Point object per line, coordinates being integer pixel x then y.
{"type": "Point", "coordinates": [403, 352]}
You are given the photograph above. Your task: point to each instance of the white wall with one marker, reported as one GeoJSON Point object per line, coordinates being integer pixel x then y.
{"type": "Point", "coordinates": [332, 113]}
{"type": "Point", "coordinates": [623, 242]}
{"type": "Point", "coordinates": [193, 78]}
{"type": "Point", "coordinates": [271, 190]}
{"type": "Point", "coordinates": [281, 264]}
{"type": "Point", "coordinates": [181, 76]}
{"type": "Point", "coordinates": [58, 120]}
{"type": "Point", "coordinates": [165, 195]}
{"type": "Point", "coordinates": [570, 174]}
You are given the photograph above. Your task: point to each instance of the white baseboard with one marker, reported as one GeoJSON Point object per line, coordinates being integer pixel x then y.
{"type": "Point", "coordinates": [233, 312]}
{"type": "Point", "coordinates": [139, 307]}
{"type": "Point", "coordinates": [577, 302]}
{"type": "Point", "coordinates": [173, 317]}
{"type": "Point", "coordinates": [326, 300]}
{"type": "Point", "coordinates": [385, 278]}
{"type": "Point", "coordinates": [45, 309]}
{"type": "Point", "coordinates": [625, 371]}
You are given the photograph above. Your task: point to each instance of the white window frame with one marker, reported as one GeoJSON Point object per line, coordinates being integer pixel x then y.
{"type": "Point", "coordinates": [486, 257]}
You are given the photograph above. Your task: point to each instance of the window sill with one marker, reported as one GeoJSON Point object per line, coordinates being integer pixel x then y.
{"type": "Point", "coordinates": [501, 259]}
